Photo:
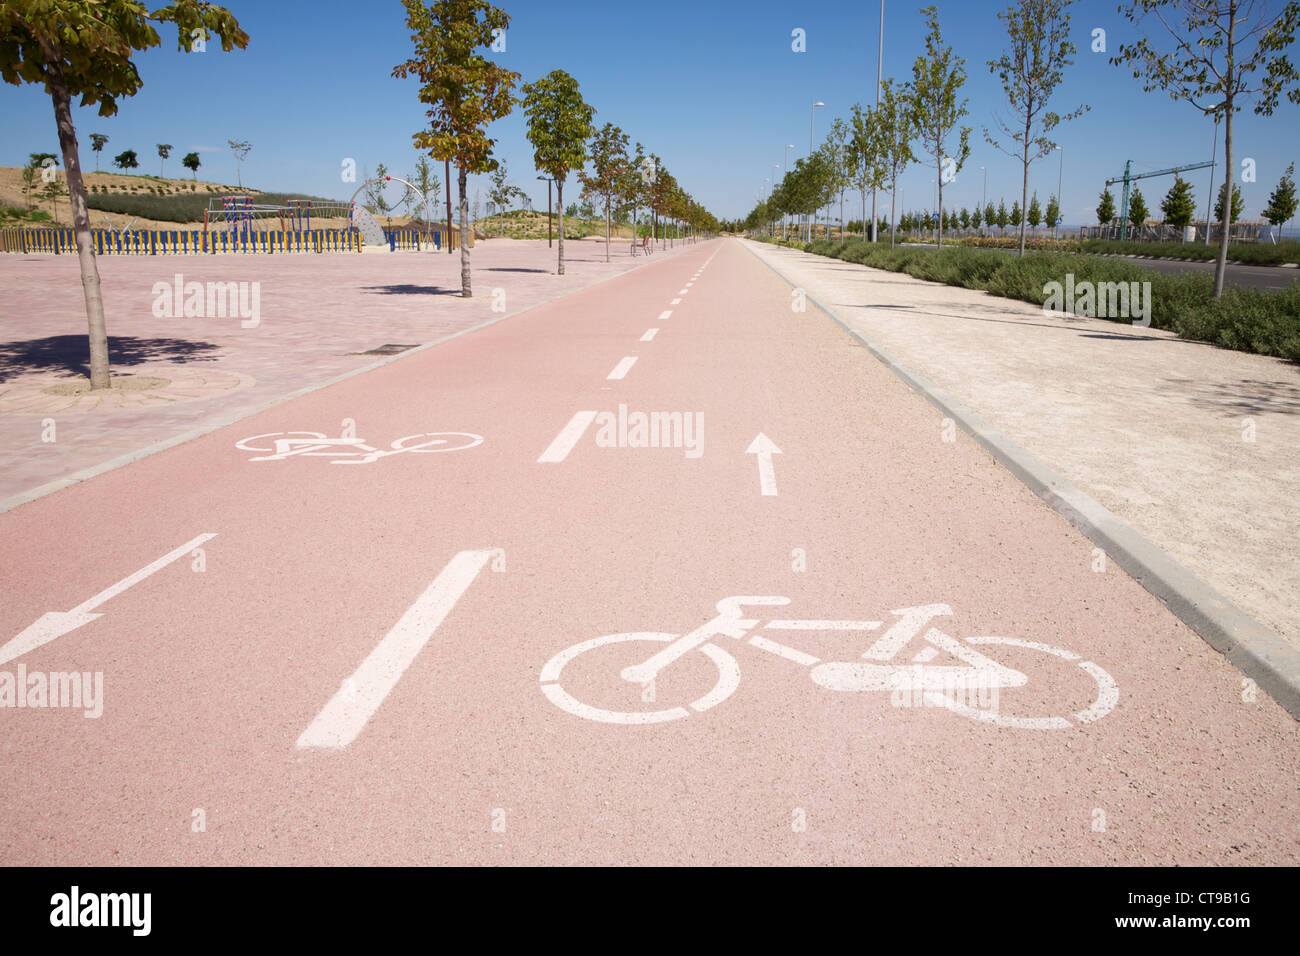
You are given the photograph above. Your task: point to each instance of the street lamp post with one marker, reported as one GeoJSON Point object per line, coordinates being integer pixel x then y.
{"type": "Point", "coordinates": [548, 208]}
{"type": "Point", "coordinates": [812, 113]}
{"type": "Point", "coordinates": [1060, 169]}
{"type": "Point", "coordinates": [775, 167]}
{"type": "Point", "coordinates": [788, 147]}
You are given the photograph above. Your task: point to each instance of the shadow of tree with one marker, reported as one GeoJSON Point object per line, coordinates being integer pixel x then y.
{"type": "Point", "coordinates": [406, 288]}
{"type": "Point", "coordinates": [1246, 395]}
{"type": "Point", "coordinates": [70, 354]}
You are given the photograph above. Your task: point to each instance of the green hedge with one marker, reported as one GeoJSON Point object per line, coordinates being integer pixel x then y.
{"type": "Point", "coordinates": [1249, 320]}
{"type": "Point", "coordinates": [1254, 253]}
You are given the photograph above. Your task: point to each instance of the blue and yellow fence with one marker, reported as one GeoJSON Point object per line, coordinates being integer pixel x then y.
{"type": "Point", "coordinates": [153, 242]}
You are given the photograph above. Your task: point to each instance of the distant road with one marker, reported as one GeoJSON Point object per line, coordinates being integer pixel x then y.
{"type": "Point", "coordinates": [1268, 278]}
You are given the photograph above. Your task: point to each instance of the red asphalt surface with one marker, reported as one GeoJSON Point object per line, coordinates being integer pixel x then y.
{"type": "Point", "coordinates": [210, 678]}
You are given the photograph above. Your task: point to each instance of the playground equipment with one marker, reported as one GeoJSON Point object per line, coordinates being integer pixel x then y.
{"type": "Point", "coordinates": [242, 216]}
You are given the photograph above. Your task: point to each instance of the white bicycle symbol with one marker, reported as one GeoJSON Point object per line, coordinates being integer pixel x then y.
{"type": "Point", "coordinates": [934, 684]}
{"type": "Point", "coordinates": [351, 451]}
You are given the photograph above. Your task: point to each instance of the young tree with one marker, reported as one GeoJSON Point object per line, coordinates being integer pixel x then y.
{"type": "Point", "coordinates": [1237, 205]}
{"type": "Point", "coordinates": [633, 185]}
{"type": "Point", "coordinates": [937, 76]}
{"type": "Point", "coordinates": [241, 149]}
{"type": "Point", "coordinates": [835, 148]}
{"type": "Point", "coordinates": [866, 157]}
{"type": "Point", "coordinates": [1218, 47]}
{"type": "Point", "coordinates": [1179, 206]}
{"type": "Point", "coordinates": [1282, 203]}
{"type": "Point", "coordinates": [32, 173]}
{"type": "Point", "coordinates": [1002, 219]}
{"type": "Point", "coordinates": [559, 125]}
{"type": "Point", "coordinates": [1030, 70]}
{"type": "Point", "coordinates": [77, 49]}
{"type": "Point", "coordinates": [164, 150]}
{"type": "Point", "coordinates": [895, 130]}
{"type": "Point", "coordinates": [975, 218]}
{"type": "Point", "coordinates": [1017, 216]}
{"type": "Point", "coordinates": [1034, 216]}
{"type": "Point", "coordinates": [126, 159]}
{"type": "Point", "coordinates": [426, 182]}
{"type": "Point", "coordinates": [1106, 208]}
{"type": "Point", "coordinates": [608, 171]}
{"type": "Point", "coordinates": [502, 191]}
{"type": "Point", "coordinates": [192, 163]}
{"type": "Point", "coordinates": [1138, 214]}
{"type": "Point", "coordinates": [51, 193]}
{"type": "Point", "coordinates": [465, 91]}
{"type": "Point", "coordinates": [964, 218]}
{"type": "Point", "coordinates": [1053, 212]}
{"type": "Point", "coordinates": [97, 142]}
{"type": "Point", "coordinates": [990, 215]}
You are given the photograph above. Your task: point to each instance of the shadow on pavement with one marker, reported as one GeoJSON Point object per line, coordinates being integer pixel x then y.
{"type": "Point", "coordinates": [407, 288]}
{"type": "Point", "coordinates": [70, 354]}
{"type": "Point", "coordinates": [1243, 396]}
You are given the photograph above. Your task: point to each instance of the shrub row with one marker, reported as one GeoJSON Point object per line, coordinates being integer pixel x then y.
{"type": "Point", "coordinates": [1248, 320]}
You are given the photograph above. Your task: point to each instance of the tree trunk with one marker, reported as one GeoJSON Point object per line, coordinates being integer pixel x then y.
{"type": "Point", "coordinates": [1221, 260]}
{"type": "Point", "coordinates": [81, 223]}
{"type": "Point", "coordinates": [893, 196]}
{"type": "Point", "coordinates": [938, 226]}
{"type": "Point", "coordinates": [607, 228]}
{"type": "Point", "coordinates": [559, 201]}
{"type": "Point", "coordinates": [462, 183]}
{"type": "Point", "coordinates": [1024, 190]}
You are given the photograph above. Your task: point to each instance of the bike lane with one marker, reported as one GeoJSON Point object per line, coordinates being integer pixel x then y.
{"type": "Point", "coordinates": [355, 675]}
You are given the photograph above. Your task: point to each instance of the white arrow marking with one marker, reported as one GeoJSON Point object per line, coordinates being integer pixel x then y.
{"type": "Point", "coordinates": [762, 447]}
{"type": "Point", "coordinates": [359, 696]}
{"type": "Point", "coordinates": [54, 624]}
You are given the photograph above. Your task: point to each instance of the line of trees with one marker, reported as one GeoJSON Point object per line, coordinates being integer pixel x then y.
{"type": "Point", "coordinates": [1179, 205]}
{"type": "Point", "coordinates": [128, 159]}
{"type": "Point", "coordinates": [465, 92]}
{"type": "Point", "coordinates": [1219, 56]}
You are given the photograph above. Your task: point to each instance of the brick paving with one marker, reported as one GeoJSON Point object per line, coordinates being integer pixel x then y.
{"type": "Point", "coordinates": [316, 313]}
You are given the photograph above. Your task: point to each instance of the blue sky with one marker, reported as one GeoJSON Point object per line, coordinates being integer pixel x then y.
{"type": "Point", "coordinates": [713, 88]}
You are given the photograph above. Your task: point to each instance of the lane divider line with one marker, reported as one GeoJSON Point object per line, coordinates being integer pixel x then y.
{"type": "Point", "coordinates": [360, 696]}
{"type": "Point", "coordinates": [665, 313]}
{"type": "Point", "coordinates": [649, 334]}
{"type": "Point", "coordinates": [622, 368]}
{"type": "Point", "coordinates": [563, 443]}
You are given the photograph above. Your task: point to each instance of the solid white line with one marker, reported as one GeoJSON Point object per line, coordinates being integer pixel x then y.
{"type": "Point", "coordinates": [621, 368]}
{"type": "Point", "coordinates": [665, 313]}
{"type": "Point", "coordinates": [352, 706]}
{"type": "Point", "coordinates": [563, 443]}
{"type": "Point", "coordinates": [649, 334]}
{"type": "Point", "coordinates": [789, 653]}
{"type": "Point", "coordinates": [120, 586]}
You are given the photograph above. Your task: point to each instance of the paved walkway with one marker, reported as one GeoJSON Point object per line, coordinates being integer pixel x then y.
{"type": "Point", "coordinates": [319, 316]}
{"type": "Point", "coordinates": [1197, 447]}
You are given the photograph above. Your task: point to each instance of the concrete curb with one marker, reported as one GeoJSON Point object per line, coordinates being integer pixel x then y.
{"type": "Point", "coordinates": [13, 501]}
{"type": "Point", "coordinates": [1254, 649]}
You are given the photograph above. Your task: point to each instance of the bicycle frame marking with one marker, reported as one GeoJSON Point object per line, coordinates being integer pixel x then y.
{"type": "Point", "coordinates": [936, 685]}
{"type": "Point", "coordinates": [352, 451]}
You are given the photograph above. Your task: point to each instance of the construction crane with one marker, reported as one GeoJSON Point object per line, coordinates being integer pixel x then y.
{"type": "Point", "coordinates": [1128, 177]}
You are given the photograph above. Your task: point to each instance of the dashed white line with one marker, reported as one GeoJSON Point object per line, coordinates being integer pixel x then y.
{"type": "Point", "coordinates": [649, 334]}
{"type": "Point", "coordinates": [683, 291]}
{"type": "Point", "coordinates": [622, 367]}
{"type": "Point", "coordinates": [559, 449]}
{"type": "Point", "coordinates": [675, 302]}
{"type": "Point", "coordinates": [665, 313]}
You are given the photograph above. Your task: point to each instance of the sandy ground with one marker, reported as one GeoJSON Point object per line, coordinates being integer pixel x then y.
{"type": "Point", "coordinates": [1197, 447]}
